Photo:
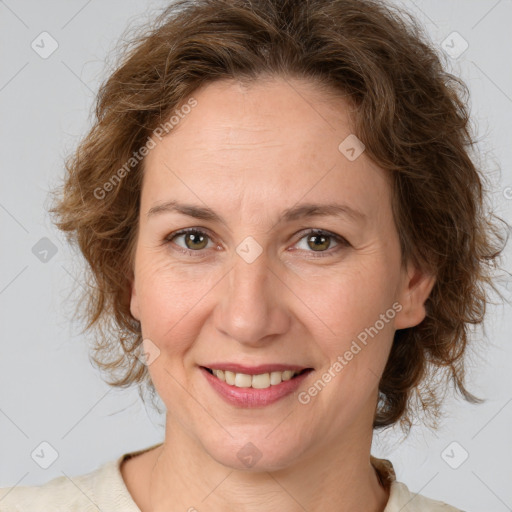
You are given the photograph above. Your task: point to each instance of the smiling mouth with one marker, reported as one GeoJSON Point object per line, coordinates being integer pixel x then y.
{"type": "Point", "coordinates": [260, 381]}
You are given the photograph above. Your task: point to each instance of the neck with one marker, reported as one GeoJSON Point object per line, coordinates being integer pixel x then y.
{"type": "Point", "coordinates": [334, 477]}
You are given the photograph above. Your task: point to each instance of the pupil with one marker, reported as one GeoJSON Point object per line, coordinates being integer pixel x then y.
{"type": "Point", "coordinates": [322, 241]}
{"type": "Point", "coordinates": [195, 238]}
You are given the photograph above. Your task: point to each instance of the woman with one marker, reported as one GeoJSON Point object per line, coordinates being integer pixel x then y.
{"type": "Point", "coordinates": [280, 212]}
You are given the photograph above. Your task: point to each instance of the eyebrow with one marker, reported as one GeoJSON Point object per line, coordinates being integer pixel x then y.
{"type": "Point", "coordinates": [291, 214]}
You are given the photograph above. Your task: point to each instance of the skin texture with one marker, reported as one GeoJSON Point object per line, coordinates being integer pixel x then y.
{"type": "Point", "coordinates": [249, 153]}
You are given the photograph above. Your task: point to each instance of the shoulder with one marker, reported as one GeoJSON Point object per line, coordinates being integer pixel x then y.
{"type": "Point", "coordinates": [61, 493]}
{"type": "Point", "coordinates": [98, 489]}
{"type": "Point", "coordinates": [401, 499]}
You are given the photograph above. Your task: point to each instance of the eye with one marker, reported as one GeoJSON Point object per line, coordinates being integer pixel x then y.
{"type": "Point", "coordinates": [194, 240]}
{"type": "Point", "coordinates": [319, 241]}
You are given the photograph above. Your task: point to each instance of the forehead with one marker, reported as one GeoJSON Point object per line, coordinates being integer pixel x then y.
{"type": "Point", "coordinates": [249, 145]}
{"type": "Point", "coordinates": [230, 116]}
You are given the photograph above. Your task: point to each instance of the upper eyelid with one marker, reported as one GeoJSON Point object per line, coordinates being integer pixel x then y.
{"type": "Point", "coordinates": [184, 231]}
{"type": "Point", "coordinates": [300, 234]}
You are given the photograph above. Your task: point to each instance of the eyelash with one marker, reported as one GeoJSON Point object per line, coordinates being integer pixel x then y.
{"type": "Point", "coordinates": [342, 242]}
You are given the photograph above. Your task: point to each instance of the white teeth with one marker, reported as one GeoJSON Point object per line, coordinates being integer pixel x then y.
{"type": "Point", "coordinates": [242, 380]}
{"type": "Point", "coordinates": [229, 377]}
{"type": "Point", "coordinates": [261, 381]}
{"type": "Point", "coordinates": [287, 375]}
{"type": "Point", "coordinates": [275, 378]}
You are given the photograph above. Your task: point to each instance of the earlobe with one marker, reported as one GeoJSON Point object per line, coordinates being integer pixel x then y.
{"type": "Point", "coordinates": [134, 303]}
{"type": "Point", "coordinates": [416, 288]}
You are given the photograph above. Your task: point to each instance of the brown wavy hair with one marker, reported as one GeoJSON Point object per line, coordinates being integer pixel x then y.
{"type": "Point", "coordinates": [411, 114]}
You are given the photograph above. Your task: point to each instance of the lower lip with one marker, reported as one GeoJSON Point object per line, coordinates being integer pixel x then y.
{"type": "Point", "coordinates": [250, 397]}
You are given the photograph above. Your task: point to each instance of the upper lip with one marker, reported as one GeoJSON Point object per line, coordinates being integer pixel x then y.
{"type": "Point", "coordinates": [255, 370]}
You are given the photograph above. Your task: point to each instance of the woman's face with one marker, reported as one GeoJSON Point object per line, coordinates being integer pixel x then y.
{"type": "Point", "coordinates": [252, 286]}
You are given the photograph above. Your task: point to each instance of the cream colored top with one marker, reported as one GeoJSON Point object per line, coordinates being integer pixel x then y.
{"type": "Point", "coordinates": [104, 489]}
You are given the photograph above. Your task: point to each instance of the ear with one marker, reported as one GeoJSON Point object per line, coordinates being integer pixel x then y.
{"type": "Point", "coordinates": [134, 302]}
{"type": "Point", "coordinates": [414, 290]}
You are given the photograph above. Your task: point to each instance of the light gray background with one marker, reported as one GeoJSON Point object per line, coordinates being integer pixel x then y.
{"type": "Point", "coordinates": [48, 389]}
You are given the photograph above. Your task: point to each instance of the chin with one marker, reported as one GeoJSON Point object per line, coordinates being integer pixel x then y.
{"type": "Point", "coordinates": [254, 452]}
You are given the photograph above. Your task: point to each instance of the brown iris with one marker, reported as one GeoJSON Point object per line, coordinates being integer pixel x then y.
{"type": "Point", "coordinates": [197, 240]}
{"type": "Point", "coordinates": [318, 242]}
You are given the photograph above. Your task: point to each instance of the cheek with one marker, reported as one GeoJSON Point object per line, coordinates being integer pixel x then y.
{"type": "Point", "coordinates": [163, 290]}
{"type": "Point", "coordinates": [169, 305]}
{"type": "Point", "coordinates": [169, 300]}
{"type": "Point", "coordinates": [351, 300]}
{"type": "Point", "coordinates": [356, 312]}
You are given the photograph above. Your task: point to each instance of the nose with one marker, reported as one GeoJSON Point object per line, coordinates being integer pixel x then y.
{"type": "Point", "coordinates": [252, 308]}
